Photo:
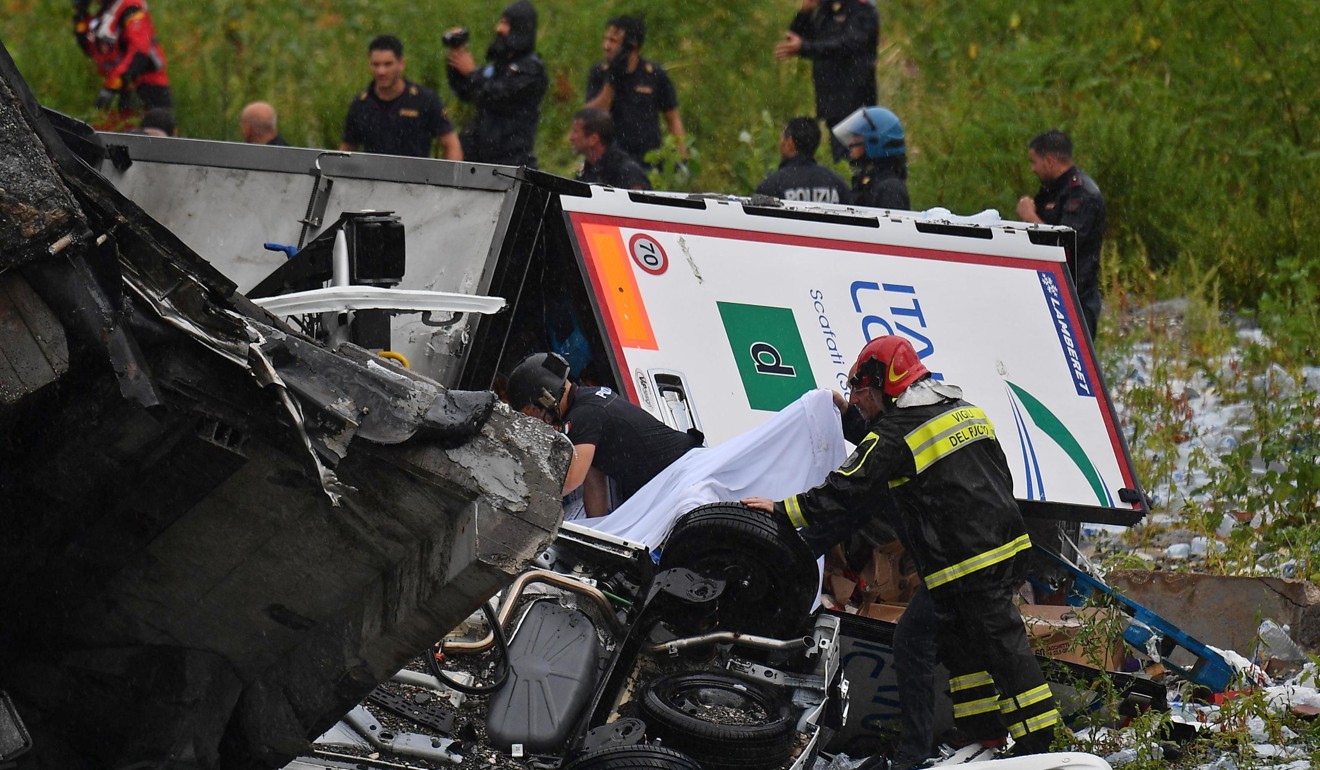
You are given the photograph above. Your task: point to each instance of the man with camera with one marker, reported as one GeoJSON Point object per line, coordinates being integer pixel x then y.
{"type": "Point", "coordinates": [395, 116]}
{"type": "Point", "coordinates": [634, 90]}
{"type": "Point", "coordinates": [507, 91]}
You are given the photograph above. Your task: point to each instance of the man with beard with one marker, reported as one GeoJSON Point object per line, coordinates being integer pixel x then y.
{"type": "Point", "coordinates": [507, 92]}
{"type": "Point", "coordinates": [395, 116]}
{"type": "Point", "coordinates": [636, 91]}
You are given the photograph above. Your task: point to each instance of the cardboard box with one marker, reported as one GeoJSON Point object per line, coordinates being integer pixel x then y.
{"type": "Point", "coordinates": [1090, 636]}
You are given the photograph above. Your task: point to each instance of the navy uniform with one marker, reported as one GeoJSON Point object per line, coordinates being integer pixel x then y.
{"type": "Point", "coordinates": [840, 38]}
{"type": "Point", "coordinates": [405, 125]}
{"type": "Point", "coordinates": [881, 183]}
{"type": "Point", "coordinates": [957, 518]}
{"type": "Point", "coordinates": [632, 447]}
{"type": "Point", "coordinates": [801, 178]}
{"type": "Point", "coordinates": [1074, 200]}
{"type": "Point", "coordinates": [615, 168]}
{"type": "Point", "coordinates": [640, 98]}
{"type": "Point", "coordinates": [507, 93]}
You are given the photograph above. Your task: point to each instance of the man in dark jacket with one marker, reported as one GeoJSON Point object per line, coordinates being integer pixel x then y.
{"type": "Point", "coordinates": [800, 177]}
{"type": "Point", "coordinates": [875, 141]}
{"type": "Point", "coordinates": [840, 37]}
{"type": "Point", "coordinates": [956, 517]}
{"type": "Point", "coordinates": [507, 91]}
{"type": "Point", "coordinates": [1069, 197]}
{"type": "Point", "coordinates": [603, 162]}
{"type": "Point", "coordinates": [636, 91]}
{"type": "Point", "coordinates": [612, 437]}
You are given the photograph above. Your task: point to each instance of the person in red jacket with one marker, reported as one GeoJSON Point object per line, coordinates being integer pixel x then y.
{"type": "Point", "coordinates": [121, 39]}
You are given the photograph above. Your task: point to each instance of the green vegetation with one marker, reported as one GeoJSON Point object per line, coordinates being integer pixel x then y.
{"type": "Point", "coordinates": [1198, 119]}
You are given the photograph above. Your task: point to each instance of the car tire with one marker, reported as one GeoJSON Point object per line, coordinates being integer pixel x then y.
{"type": "Point", "coordinates": [686, 711]}
{"type": "Point", "coordinates": [634, 758]}
{"type": "Point", "coordinates": [771, 578]}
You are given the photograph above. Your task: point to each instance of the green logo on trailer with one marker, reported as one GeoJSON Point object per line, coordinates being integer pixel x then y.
{"type": "Point", "coordinates": [772, 360]}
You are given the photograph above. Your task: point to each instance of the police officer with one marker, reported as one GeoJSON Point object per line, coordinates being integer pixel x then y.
{"type": "Point", "coordinates": [938, 456]}
{"type": "Point", "coordinates": [875, 141]}
{"type": "Point", "coordinates": [800, 177]}
{"type": "Point", "coordinates": [636, 91]}
{"type": "Point", "coordinates": [603, 162]}
{"type": "Point", "coordinates": [121, 40]}
{"type": "Point", "coordinates": [507, 91]}
{"type": "Point", "coordinates": [612, 437]}
{"type": "Point", "coordinates": [840, 37]}
{"type": "Point", "coordinates": [395, 116]}
{"type": "Point", "coordinates": [1069, 197]}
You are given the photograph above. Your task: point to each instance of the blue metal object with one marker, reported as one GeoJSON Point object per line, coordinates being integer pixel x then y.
{"type": "Point", "coordinates": [1148, 631]}
{"type": "Point", "coordinates": [289, 251]}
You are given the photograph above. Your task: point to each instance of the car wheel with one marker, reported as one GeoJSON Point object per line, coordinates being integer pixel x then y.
{"type": "Point", "coordinates": [771, 578]}
{"type": "Point", "coordinates": [633, 758]}
{"type": "Point", "coordinates": [723, 722]}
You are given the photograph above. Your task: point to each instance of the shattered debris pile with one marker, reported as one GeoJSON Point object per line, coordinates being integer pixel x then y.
{"type": "Point", "coordinates": [219, 535]}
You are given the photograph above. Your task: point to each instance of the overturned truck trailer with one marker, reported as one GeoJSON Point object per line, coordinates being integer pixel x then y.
{"type": "Point", "coordinates": [216, 534]}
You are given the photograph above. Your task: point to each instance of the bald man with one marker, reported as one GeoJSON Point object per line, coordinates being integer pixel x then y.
{"type": "Point", "coordinates": [257, 123]}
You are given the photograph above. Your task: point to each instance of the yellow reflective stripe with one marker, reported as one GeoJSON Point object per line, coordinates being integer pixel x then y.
{"type": "Point", "coordinates": [974, 707]}
{"type": "Point", "coordinates": [1036, 723]}
{"type": "Point", "coordinates": [980, 561]}
{"type": "Point", "coordinates": [899, 482]}
{"type": "Point", "coordinates": [1047, 719]}
{"type": "Point", "coordinates": [794, 509]}
{"type": "Point", "coordinates": [1029, 698]}
{"type": "Point", "coordinates": [858, 458]}
{"type": "Point", "coordinates": [943, 435]}
{"type": "Point", "coordinates": [968, 681]}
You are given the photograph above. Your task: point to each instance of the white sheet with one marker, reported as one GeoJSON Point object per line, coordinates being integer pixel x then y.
{"type": "Point", "coordinates": [791, 452]}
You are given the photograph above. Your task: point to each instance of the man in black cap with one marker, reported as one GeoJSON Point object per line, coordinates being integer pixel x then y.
{"type": "Point", "coordinates": [800, 177]}
{"type": "Point", "coordinates": [636, 91]}
{"type": "Point", "coordinates": [507, 91]}
{"type": "Point", "coordinates": [840, 37]}
{"type": "Point", "coordinates": [603, 162]}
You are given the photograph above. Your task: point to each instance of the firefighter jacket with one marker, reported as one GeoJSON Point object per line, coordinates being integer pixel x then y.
{"type": "Point", "coordinates": [948, 475]}
{"type": "Point", "coordinates": [121, 40]}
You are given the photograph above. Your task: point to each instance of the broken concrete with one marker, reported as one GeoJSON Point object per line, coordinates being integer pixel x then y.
{"type": "Point", "coordinates": [219, 535]}
{"type": "Point", "coordinates": [1225, 611]}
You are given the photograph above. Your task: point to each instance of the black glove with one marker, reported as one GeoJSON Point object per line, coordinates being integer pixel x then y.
{"type": "Point", "coordinates": [106, 99]}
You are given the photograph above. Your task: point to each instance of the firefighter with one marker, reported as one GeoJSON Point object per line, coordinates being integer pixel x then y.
{"type": "Point", "coordinates": [957, 518]}
{"type": "Point", "coordinates": [121, 39]}
{"type": "Point", "coordinates": [612, 437]}
{"type": "Point", "coordinates": [878, 151]}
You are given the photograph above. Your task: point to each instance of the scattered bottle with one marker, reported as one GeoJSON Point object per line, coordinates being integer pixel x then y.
{"type": "Point", "coordinates": [1278, 644]}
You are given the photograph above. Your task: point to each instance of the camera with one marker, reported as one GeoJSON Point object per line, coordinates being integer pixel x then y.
{"type": "Point", "coordinates": [456, 38]}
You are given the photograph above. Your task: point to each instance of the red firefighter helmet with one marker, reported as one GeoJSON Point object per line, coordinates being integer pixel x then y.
{"type": "Point", "coordinates": [889, 363]}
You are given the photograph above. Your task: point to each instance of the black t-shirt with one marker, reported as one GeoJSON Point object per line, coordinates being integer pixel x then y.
{"type": "Point", "coordinates": [615, 168]}
{"type": "Point", "coordinates": [647, 93]}
{"type": "Point", "coordinates": [632, 447]}
{"type": "Point", "coordinates": [803, 179]}
{"type": "Point", "coordinates": [405, 125]}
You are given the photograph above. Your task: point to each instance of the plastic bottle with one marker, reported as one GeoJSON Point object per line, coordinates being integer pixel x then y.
{"type": "Point", "coordinates": [1278, 644]}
